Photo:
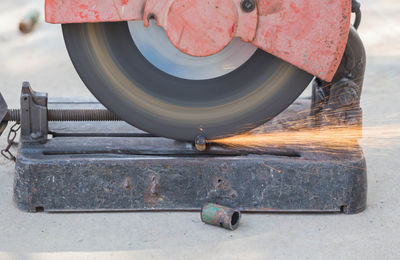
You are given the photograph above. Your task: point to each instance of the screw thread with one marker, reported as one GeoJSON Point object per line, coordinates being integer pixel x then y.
{"type": "Point", "coordinates": [81, 115]}
{"type": "Point", "coordinates": [13, 115]}
{"type": "Point", "coordinates": [69, 115]}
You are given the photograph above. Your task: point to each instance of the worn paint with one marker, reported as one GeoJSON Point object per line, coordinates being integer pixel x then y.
{"type": "Point", "coordinates": [220, 216]}
{"type": "Point", "coordinates": [209, 212]}
{"type": "Point", "coordinates": [152, 195]}
{"type": "Point", "coordinates": [89, 11]}
{"type": "Point", "coordinates": [311, 35]}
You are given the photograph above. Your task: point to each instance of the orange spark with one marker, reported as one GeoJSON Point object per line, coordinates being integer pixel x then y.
{"type": "Point", "coordinates": [326, 137]}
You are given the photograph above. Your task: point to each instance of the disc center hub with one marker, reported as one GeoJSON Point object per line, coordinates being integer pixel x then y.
{"type": "Point", "coordinates": [201, 28]}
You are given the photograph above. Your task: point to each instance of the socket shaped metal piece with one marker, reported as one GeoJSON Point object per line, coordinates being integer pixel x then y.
{"type": "Point", "coordinates": [220, 216]}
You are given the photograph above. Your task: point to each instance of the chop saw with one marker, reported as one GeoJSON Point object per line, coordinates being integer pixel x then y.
{"type": "Point", "coordinates": [193, 71]}
{"type": "Point", "coordinates": [218, 68]}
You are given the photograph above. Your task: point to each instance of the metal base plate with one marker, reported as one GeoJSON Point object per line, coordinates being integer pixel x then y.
{"type": "Point", "coordinates": [100, 166]}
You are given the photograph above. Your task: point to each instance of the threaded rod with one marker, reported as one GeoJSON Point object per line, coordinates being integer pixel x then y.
{"type": "Point", "coordinates": [69, 115]}
{"type": "Point", "coordinates": [81, 115]}
{"type": "Point", "coordinates": [13, 115]}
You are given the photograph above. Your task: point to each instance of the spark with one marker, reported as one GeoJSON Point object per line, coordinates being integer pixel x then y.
{"type": "Point", "coordinates": [298, 134]}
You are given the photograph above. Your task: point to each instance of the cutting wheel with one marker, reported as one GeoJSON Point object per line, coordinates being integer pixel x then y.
{"type": "Point", "coordinates": [138, 74]}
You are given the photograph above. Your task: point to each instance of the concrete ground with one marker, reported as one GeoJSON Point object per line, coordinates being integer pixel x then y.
{"type": "Point", "coordinates": [42, 59]}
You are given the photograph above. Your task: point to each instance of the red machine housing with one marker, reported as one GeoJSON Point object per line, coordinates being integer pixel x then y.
{"type": "Point", "coordinates": [312, 35]}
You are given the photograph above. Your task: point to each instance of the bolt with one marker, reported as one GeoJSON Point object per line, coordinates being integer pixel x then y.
{"type": "Point", "coordinates": [200, 143]}
{"type": "Point", "coordinates": [248, 5]}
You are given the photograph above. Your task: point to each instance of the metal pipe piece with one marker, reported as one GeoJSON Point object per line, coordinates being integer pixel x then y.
{"type": "Point", "coordinates": [220, 216]}
{"type": "Point", "coordinates": [29, 21]}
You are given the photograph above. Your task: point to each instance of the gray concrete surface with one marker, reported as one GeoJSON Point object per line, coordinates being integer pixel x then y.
{"type": "Point", "coordinates": [374, 234]}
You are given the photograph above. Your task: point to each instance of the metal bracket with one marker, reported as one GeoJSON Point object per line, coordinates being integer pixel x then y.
{"type": "Point", "coordinates": [34, 124]}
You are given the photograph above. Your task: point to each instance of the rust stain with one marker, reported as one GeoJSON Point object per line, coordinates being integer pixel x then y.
{"type": "Point", "coordinates": [127, 183]}
{"type": "Point", "coordinates": [152, 195]}
{"type": "Point", "coordinates": [223, 188]}
{"type": "Point", "coordinates": [221, 184]}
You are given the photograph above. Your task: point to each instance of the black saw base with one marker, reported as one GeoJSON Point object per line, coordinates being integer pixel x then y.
{"type": "Point", "coordinates": [111, 166]}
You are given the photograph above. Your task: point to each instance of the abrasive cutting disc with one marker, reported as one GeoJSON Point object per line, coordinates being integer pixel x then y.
{"type": "Point", "coordinates": [141, 77]}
